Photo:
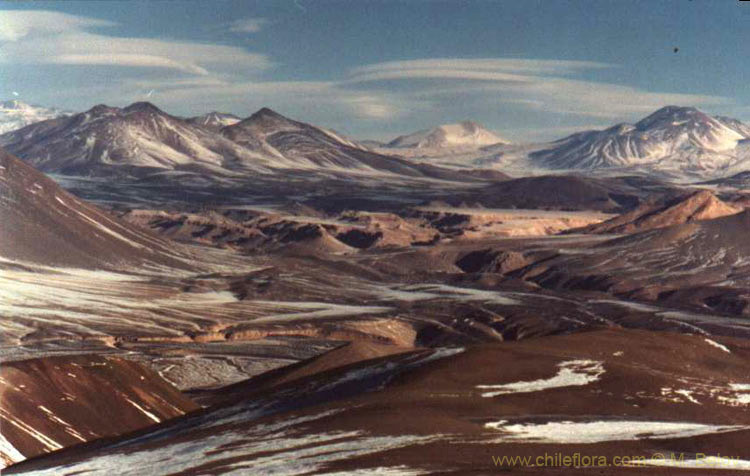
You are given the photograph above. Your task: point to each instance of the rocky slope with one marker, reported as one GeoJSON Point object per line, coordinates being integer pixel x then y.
{"type": "Point", "coordinates": [665, 394]}
{"type": "Point", "coordinates": [43, 224]}
{"type": "Point", "coordinates": [52, 403]}
{"type": "Point", "coordinates": [699, 264]}
{"type": "Point", "coordinates": [700, 205]}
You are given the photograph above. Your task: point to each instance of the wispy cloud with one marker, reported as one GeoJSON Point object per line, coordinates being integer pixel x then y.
{"type": "Point", "coordinates": [480, 68]}
{"type": "Point", "coordinates": [543, 85]}
{"type": "Point", "coordinates": [42, 37]}
{"type": "Point", "coordinates": [18, 24]}
{"type": "Point", "coordinates": [248, 25]}
{"type": "Point", "coordinates": [127, 59]}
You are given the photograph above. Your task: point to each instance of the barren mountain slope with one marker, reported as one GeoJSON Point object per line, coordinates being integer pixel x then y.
{"type": "Point", "coordinates": [44, 224]}
{"type": "Point", "coordinates": [700, 205]}
{"type": "Point", "coordinates": [548, 397]}
{"type": "Point", "coordinates": [52, 403]}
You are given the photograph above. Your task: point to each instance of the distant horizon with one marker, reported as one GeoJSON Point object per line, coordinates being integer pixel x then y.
{"type": "Point", "coordinates": [532, 70]}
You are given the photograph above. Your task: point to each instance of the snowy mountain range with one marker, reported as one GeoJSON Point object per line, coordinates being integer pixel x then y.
{"type": "Point", "coordinates": [467, 134]}
{"type": "Point", "coordinates": [674, 142]}
{"type": "Point", "coordinates": [15, 114]}
{"type": "Point", "coordinates": [141, 140]}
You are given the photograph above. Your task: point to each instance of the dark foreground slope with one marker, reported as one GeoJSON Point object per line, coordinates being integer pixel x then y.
{"type": "Point", "coordinates": [605, 394]}
{"type": "Point", "coordinates": [52, 403]}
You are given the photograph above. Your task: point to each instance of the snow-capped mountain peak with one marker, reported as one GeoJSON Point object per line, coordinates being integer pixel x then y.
{"type": "Point", "coordinates": [143, 106]}
{"type": "Point", "coordinates": [674, 140]}
{"type": "Point", "coordinates": [267, 120]}
{"type": "Point", "coordinates": [672, 116]}
{"type": "Point", "coordinates": [466, 134]}
{"type": "Point", "coordinates": [215, 120]}
{"type": "Point", "coordinates": [702, 130]}
{"type": "Point", "coordinates": [15, 114]}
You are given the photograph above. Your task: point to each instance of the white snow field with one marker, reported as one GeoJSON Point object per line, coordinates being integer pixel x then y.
{"type": "Point", "coordinates": [571, 373]}
{"type": "Point", "coordinates": [570, 432]}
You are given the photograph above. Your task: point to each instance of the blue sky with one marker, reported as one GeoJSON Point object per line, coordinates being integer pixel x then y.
{"type": "Point", "coordinates": [528, 69]}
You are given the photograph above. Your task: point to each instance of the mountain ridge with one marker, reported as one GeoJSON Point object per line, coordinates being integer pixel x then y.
{"type": "Point", "coordinates": [141, 140]}
{"type": "Point", "coordinates": [695, 206]}
{"type": "Point", "coordinates": [678, 143]}
{"type": "Point", "coordinates": [109, 140]}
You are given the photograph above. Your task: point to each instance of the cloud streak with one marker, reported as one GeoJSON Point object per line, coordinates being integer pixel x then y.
{"type": "Point", "coordinates": [41, 37]}
{"type": "Point", "coordinates": [19, 24]}
{"type": "Point", "coordinates": [125, 59]}
{"type": "Point", "coordinates": [247, 25]}
{"type": "Point", "coordinates": [476, 65]}
{"type": "Point", "coordinates": [544, 85]}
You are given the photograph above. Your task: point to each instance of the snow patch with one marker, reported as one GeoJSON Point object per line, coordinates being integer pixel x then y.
{"type": "Point", "coordinates": [572, 373]}
{"type": "Point", "coordinates": [380, 471]}
{"type": "Point", "coordinates": [708, 462]}
{"type": "Point", "coordinates": [717, 345]}
{"type": "Point", "coordinates": [682, 394]}
{"type": "Point", "coordinates": [741, 396]}
{"type": "Point", "coordinates": [144, 411]}
{"type": "Point", "coordinates": [9, 454]}
{"type": "Point", "coordinates": [271, 448]}
{"type": "Point", "coordinates": [570, 432]}
{"type": "Point", "coordinates": [49, 443]}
